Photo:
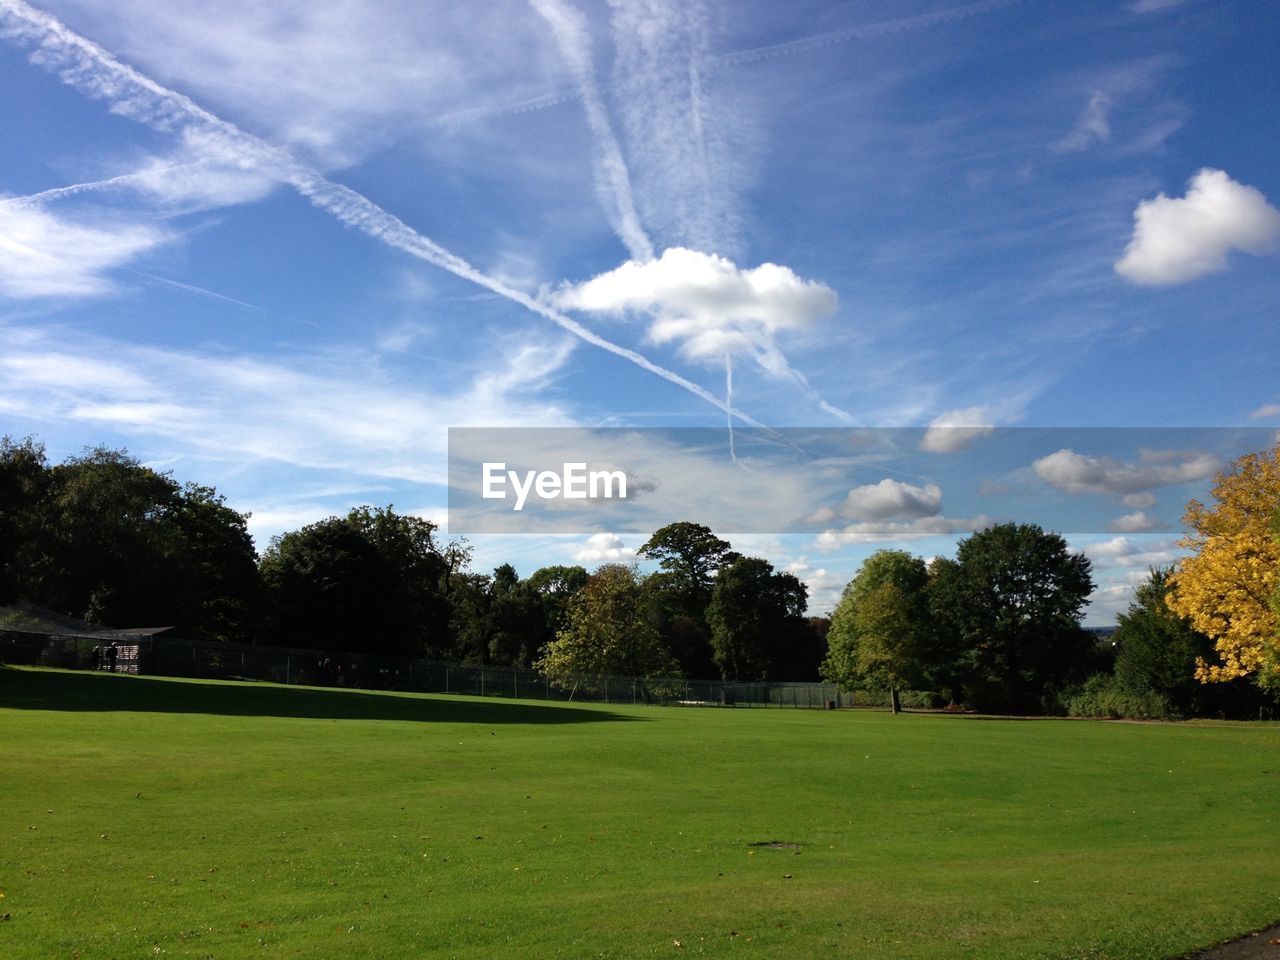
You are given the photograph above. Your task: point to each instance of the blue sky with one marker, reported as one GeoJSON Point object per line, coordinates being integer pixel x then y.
{"type": "Point", "coordinates": [281, 248]}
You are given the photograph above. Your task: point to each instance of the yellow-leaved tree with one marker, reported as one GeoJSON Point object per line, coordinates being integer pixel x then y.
{"type": "Point", "coordinates": [1226, 590]}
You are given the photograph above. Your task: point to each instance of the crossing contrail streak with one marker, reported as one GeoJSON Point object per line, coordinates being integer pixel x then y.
{"type": "Point", "coordinates": [86, 67]}
{"type": "Point", "coordinates": [805, 44]}
{"type": "Point", "coordinates": [800, 45]}
{"type": "Point", "coordinates": [70, 190]}
{"type": "Point", "coordinates": [613, 180]}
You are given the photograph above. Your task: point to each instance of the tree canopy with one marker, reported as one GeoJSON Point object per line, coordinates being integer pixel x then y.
{"type": "Point", "coordinates": [878, 629]}
{"type": "Point", "coordinates": [104, 538]}
{"type": "Point", "coordinates": [1227, 589]}
{"type": "Point", "coordinates": [755, 612]}
{"type": "Point", "coordinates": [1011, 607]}
{"type": "Point", "coordinates": [606, 632]}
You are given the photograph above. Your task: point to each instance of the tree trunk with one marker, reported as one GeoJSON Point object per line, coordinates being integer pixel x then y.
{"type": "Point", "coordinates": [895, 704]}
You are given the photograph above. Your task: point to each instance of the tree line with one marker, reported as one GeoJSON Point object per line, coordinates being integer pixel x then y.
{"type": "Point", "coordinates": [106, 539]}
{"type": "Point", "coordinates": [998, 627]}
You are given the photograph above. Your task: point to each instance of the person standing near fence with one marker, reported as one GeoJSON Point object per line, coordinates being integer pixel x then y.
{"type": "Point", "coordinates": [112, 653]}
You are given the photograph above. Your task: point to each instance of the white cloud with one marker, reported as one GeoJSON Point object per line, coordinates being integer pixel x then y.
{"type": "Point", "coordinates": [1268, 411]}
{"type": "Point", "coordinates": [892, 499]}
{"type": "Point", "coordinates": [1139, 501]}
{"type": "Point", "coordinates": [1124, 552]}
{"type": "Point", "coordinates": [706, 304]}
{"type": "Point", "coordinates": [302, 70]}
{"type": "Point", "coordinates": [1091, 128]}
{"type": "Point", "coordinates": [1137, 522]}
{"type": "Point", "coordinates": [879, 531]}
{"type": "Point", "coordinates": [613, 181]}
{"type": "Point", "coordinates": [604, 548]}
{"type": "Point", "coordinates": [99, 75]}
{"type": "Point", "coordinates": [824, 586]}
{"type": "Point", "coordinates": [1076, 473]}
{"type": "Point", "coordinates": [956, 430]}
{"type": "Point", "coordinates": [338, 412]}
{"type": "Point", "coordinates": [42, 255]}
{"type": "Point", "coordinates": [1180, 239]}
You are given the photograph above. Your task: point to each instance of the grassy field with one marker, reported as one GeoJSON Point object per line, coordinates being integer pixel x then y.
{"type": "Point", "coordinates": [148, 817]}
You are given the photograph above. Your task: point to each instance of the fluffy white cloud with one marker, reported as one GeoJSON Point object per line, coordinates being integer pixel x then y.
{"type": "Point", "coordinates": [1267, 411]}
{"type": "Point", "coordinates": [706, 304]}
{"type": "Point", "coordinates": [1137, 522]}
{"type": "Point", "coordinates": [1179, 239]}
{"type": "Point", "coordinates": [956, 430]}
{"type": "Point", "coordinates": [892, 499]}
{"type": "Point", "coordinates": [1074, 472]}
{"type": "Point", "coordinates": [604, 548]}
{"type": "Point", "coordinates": [42, 255]}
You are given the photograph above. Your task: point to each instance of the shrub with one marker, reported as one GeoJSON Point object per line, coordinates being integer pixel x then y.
{"type": "Point", "coordinates": [1104, 696]}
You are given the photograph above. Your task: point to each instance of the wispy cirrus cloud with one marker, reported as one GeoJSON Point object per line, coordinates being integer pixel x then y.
{"type": "Point", "coordinates": [327, 411]}
{"type": "Point", "coordinates": [613, 181]}
{"type": "Point", "coordinates": [88, 68]}
{"type": "Point", "coordinates": [685, 134]}
{"type": "Point", "coordinates": [1092, 127]}
{"type": "Point", "coordinates": [46, 255]}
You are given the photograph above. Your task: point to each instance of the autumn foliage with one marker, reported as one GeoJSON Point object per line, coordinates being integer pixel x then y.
{"type": "Point", "coordinates": [1226, 589]}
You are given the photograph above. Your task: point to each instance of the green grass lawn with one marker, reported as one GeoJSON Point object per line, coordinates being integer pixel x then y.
{"type": "Point", "coordinates": [146, 817]}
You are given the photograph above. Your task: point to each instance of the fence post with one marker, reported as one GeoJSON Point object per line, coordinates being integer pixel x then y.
{"type": "Point", "coordinates": [482, 681]}
{"type": "Point", "coordinates": [633, 692]}
{"type": "Point", "coordinates": [606, 689]}
{"type": "Point", "coordinates": [515, 684]}
{"type": "Point", "coordinates": [288, 668]}
{"type": "Point", "coordinates": [446, 679]}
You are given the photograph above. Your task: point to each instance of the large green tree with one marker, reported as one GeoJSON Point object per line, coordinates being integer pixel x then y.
{"type": "Point", "coordinates": [678, 594]}
{"type": "Point", "coordinates": [372, 581]}
{"type": "Point", "coordinates": [606, 632]}
{"type": "Point", "coordinates": [880, 628]}
{"type": "Point", "coordinates": [24, 547]}
{"type": "Point", "coordinates": [106, 539]}
{"type": "Point", "coordinates": [1157, 651]}
{"type": "Point", "coordinates": [1013, 604]}
{"type": "Point", "coordinates": [755, 613]}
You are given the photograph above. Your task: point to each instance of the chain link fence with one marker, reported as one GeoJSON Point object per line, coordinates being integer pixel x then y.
{"type": "Point", "coordinates": [175, 657]}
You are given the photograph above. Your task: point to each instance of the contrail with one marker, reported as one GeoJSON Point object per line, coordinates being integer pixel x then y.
{"type": "Point", "coordinates": [804, 44]}
{"type": "Point", "coordinates": [613, 182]}
{"type": "Point", "coordinates": [86, 67]}
{"type": "Point", "coordinates": [800, 45]}
{"type": "Point", "coordinates": [541, 102]}
{"type": "Point", "coordinates": [213, 294]}
{"type": "Point", "coordinates": [57, 193]}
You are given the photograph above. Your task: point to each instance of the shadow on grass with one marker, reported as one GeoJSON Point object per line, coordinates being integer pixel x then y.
{"type": "Point", "coordinates": [26, 689]}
